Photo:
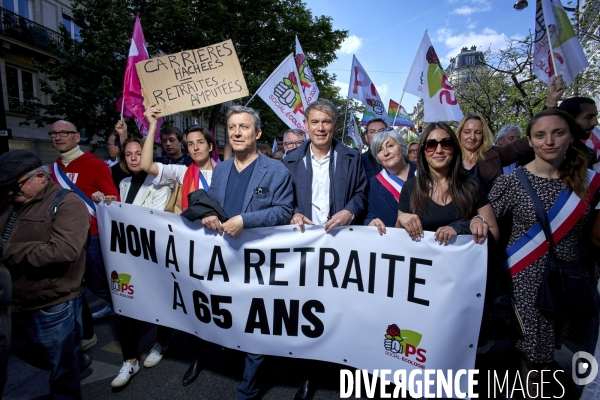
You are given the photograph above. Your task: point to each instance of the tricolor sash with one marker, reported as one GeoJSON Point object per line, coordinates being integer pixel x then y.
{"type": "Point", "coordinates": [59, 176]}
{"type": "Point", "coordinates": [191, 182]}
{"type": "Point", "coordinates": [564, 214]}
{"type": "Point", "coordinates": [391, 182]}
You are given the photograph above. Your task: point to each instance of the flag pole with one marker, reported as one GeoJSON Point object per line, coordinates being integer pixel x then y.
{"type": "Point", "coordinates": [398, 109]}
{"type": "Point", "coordinates": [246, 105]}
{"type": "Point", "coordinates": [550, 47]}
{"type": "Point", "coordinates": [345, 116]}
{"type": "Point", "coordinates": [122, 107]}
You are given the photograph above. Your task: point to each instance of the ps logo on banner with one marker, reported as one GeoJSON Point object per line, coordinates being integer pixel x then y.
{"type": "Point", "coordinates": [582, 363]}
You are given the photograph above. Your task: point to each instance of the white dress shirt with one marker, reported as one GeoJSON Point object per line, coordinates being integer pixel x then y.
{"type": "Point", "coordinates": [320, 188]}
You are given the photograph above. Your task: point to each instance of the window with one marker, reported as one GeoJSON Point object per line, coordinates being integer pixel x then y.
{"type": "Point", "coordinates": [470, 60]}
{"type": "Point", "coordinates": [19, 87]}
{"type": "Point", "coordinates": [21, 7]}
{"type": "Point", "coordinates": [185, 123]}
{"type": "Point", "coordinates": [72, 27]}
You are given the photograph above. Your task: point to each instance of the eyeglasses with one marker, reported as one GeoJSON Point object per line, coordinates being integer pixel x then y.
{"type": "Point", "coordinates": [431, 145]}
{"type": "Point", "coordinates": [60, 133]}
{"type": "Point", "coordinates": [16, 187]}
{"type": "Point", "coordinates": [293, 144]}
{"type": "Point", "coordinates": [412, 151]}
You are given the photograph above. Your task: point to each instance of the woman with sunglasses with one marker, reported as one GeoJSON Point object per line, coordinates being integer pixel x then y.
{"type": "Point", "coordinates": [441, 198]}
{"type": "Point", "coordinates": [557, 173]}
{"type": "Point", "coordinates": [389, 149]}
{"type": "Point", "coordinates": [480, 157]}
{"type": "Point", "coordinates": [198, 175]}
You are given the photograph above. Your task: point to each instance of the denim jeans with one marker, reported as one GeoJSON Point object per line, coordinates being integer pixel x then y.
{"type": "Point", "coordinates": [49, 339]}
{"type": "Point", "coordinates": [248, 389]}
{"type": "Point", "coordinates": [95, 273]}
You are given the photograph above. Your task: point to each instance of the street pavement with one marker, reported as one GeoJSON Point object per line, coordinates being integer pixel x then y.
{"type": "Point", "coordinates": [222, 371]}
{"type": "Point", "coordinates": [219, 379]}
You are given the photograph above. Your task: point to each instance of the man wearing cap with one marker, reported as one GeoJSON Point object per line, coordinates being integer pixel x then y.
{"type": "Point", "coordinates": [87, 175]}
{"type": "Point", "coordinates": [44, 231]}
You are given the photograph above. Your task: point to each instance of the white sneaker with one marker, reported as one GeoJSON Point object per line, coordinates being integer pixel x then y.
{"type": "Point", "coordinates": [125, 374]}
{"type": "Point", "coordinates": [156, 354]}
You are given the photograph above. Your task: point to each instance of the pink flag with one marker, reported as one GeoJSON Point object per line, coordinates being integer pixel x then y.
{"type": "Point", "coordinates": [215, 154]}
{"type": "Point", "coordinates": [132, 89]}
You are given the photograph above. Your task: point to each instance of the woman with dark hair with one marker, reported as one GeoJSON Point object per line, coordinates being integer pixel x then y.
{"type": "Point", "coordinates": [441, 198]}
{"type": "Point", "coordinates": [480, 157]}
{"type": "Point", "coordinates": [200, 145]}
{"type": "Point", "coordinates": [389, 149]}
{"type": "Point", "coordinates": [557, 172]}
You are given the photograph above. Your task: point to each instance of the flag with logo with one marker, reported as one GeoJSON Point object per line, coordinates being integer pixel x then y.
{"type": "Point", "coordinates": [307, 80]}
{"type": "Point", "coordinates": [428, 81]}
{"type": "Point", "coordinates": [354, 132]}
{"type": "Point", "coordinates": [363, 89]}
{"type": "Point", "coordinates": [399, 116]}
{"type": "Point", "coordinates": [280, 91]}
{"type": "Point", "coordinates": [569, 58]}
{"type": "Point", "coordinates": [132, 89]}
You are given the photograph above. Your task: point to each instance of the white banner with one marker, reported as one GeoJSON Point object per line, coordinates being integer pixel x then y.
{"type": "Point", "coordinates": [280, 91]}
{"type": "Point", "coordinates": [352, 297]}
{"type": "Point", "coordinates": [428, 81]}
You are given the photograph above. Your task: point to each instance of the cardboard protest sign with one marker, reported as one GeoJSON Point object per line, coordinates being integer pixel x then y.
{"type": "Point", "coordinates": [193, 78]}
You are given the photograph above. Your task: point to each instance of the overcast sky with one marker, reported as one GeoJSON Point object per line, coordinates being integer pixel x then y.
{"type": "Point", "coordinates": [385, 34]}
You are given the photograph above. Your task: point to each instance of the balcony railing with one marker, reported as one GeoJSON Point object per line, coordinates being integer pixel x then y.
{"type": "Point", "coordinates": [27, 31]}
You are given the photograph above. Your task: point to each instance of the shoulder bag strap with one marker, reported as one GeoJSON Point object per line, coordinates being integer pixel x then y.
{"type": "Point", "coordinates": [540, 212]}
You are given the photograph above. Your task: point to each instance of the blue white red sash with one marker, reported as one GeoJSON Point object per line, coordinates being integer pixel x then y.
{"type": "Point", "coordinates": [59, 176]}
{"type": "Point", "coordinates": [564, 214]}
{"type": "Point", "coordinates": [391, 182]}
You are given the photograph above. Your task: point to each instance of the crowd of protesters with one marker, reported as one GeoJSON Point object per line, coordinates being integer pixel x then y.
{"type": "Point", "coordinates": [466, 181]}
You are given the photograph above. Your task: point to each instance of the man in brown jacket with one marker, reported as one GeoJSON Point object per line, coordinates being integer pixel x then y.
{"type": "Point", "coordinates": [44, 231]}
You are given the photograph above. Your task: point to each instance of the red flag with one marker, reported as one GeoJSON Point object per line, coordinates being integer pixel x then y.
{"type": "Point", "coordinates": [132, 89]}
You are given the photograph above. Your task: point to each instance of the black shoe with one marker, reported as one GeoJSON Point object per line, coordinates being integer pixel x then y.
{"type": "Point", "coordinates": [192, 373]}
{"type": "Point", "coordinates": [305, 391]}
{"type": "Point", "coordinates": [84, 362]}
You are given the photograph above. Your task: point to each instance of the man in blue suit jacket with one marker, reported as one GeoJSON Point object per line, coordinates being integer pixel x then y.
{"type": "Point", "coordinates": [329, 183]}
{"type": "Point", "coordinates": [254, 191]}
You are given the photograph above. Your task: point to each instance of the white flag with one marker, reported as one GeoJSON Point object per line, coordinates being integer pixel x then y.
{"type": "Point", "coordinates": [280, 92]}
{"type": "Point", "coordinates": [307, 80]}
{"type": "Point", "coordinates": [428, 81]}
{"type": "Point", "coordinates": [354, 132]}
{"type": "Point", "coordinates": [569, 58]}
{"type": "Point", "coordinates": [363, 89]}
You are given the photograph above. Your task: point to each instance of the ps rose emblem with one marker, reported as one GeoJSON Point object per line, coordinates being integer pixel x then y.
{"type": "Point", "coordinates": [392, 339]}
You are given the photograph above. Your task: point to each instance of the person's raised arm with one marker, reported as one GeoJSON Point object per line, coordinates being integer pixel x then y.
{"type": "Point", "coordinates": [147, 161]}
{"type": "Point", "coordinates": [121, 128]}
{"type": "Point", "coordinates": [554, 91]}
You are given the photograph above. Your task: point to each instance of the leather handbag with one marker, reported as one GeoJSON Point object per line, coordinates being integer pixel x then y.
{"type": "Point", "coordinates": [566, 288]}
{"type": "Point", "coordinates": [174, 203]}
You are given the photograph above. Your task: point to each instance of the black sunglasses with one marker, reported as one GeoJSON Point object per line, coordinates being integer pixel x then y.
{"type": "Point", "coordinates": [431, 145]}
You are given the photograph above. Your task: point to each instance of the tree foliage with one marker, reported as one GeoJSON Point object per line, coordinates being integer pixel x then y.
{"type": "Point", "coordinates": [88, 77]}
{"type": "Point", "coordinates": [505, 90]}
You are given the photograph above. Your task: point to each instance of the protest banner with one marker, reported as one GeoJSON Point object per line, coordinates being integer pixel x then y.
{"type": "Point", "coordinates": [192, 79]}
{"type": "Point", "coordinates": [428, 81]}
{"type": "Point", "coordinates": [351, 297]}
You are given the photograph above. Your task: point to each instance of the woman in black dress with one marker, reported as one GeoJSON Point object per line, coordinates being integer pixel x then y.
{"type": "Point", "coordinates": [440, 198]}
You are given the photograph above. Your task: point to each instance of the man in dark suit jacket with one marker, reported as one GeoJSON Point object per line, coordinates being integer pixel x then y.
{"type": "Point", "coordinates": [370, 164]}
{"type": "Point", "coordinates": [329, 182]}
{"type": "Point", "coordinates": [254, 191]}
{"type": "Point", "coordinates": [326, 193]}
